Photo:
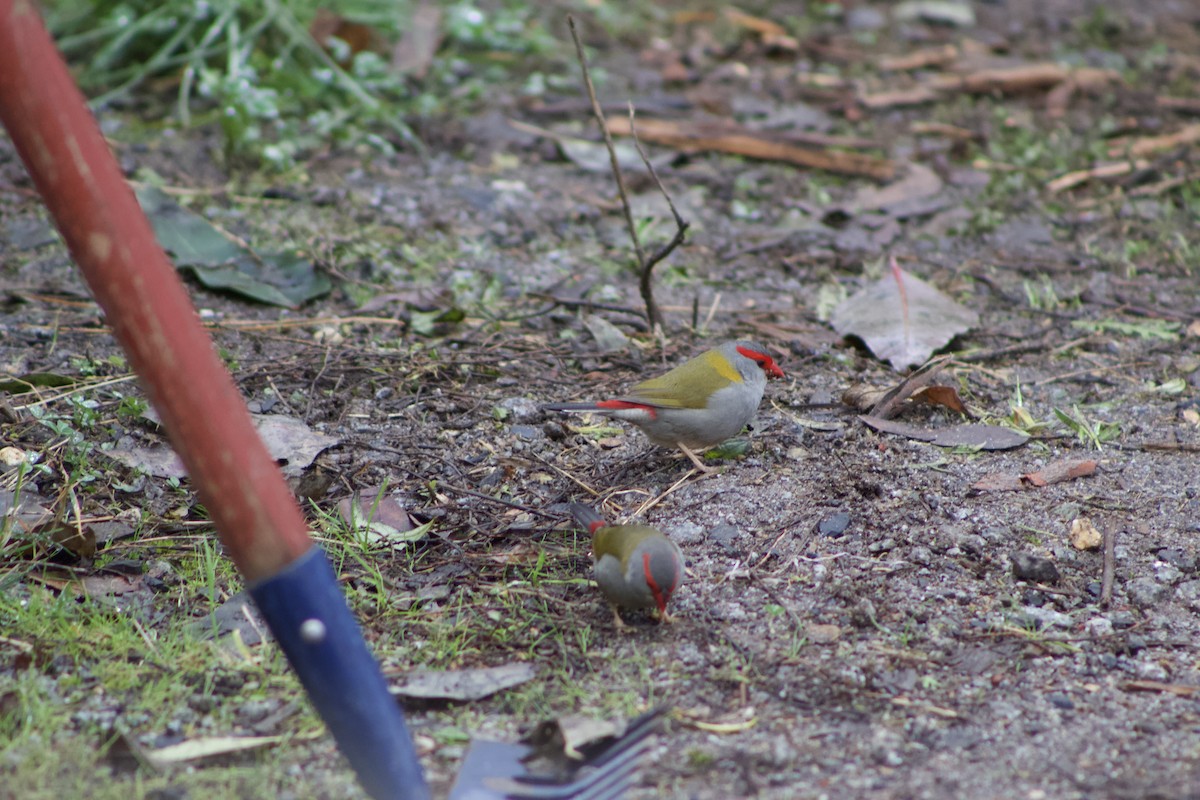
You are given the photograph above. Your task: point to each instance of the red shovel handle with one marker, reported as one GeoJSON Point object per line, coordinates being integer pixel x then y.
{"type": "Point", "coordinates": [144, 300]}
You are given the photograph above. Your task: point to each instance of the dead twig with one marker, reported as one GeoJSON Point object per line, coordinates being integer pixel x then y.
{"type": "Point", "coordinates": [567, 302]}
{"type": "Point", "coordinates": [681, 226]}
{"type": "Point", "coordinates": [1106, 577]}
{"type": "Point", "coordinates": [645, 266]}
{"type": "Point", "coordinates": [743, 142]}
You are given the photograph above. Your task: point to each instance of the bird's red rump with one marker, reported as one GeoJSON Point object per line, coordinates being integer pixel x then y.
{"type": "Point", "coordinates": [660, 597]}
{"type": "Point", "coordinates": [765, 361]}
{"type": "Point", "coordinates": [625, 404]}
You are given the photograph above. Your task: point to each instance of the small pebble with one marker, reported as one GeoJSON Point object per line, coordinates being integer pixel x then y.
{"type": "Point", "coordinates": [1059, 700]}
{"type": "Point", "coordinates": [685, 532]}
{"type": "Point", "coordinates": [520, 409]}
{"type": "Point", "coordinates": [1146, 592]}
{"type": "Point", "coordinates": [1032, 567]}
{"type": "Point", "coordinates": [834, 526]}
{"type": "Point", "coordinates": [724, 535]}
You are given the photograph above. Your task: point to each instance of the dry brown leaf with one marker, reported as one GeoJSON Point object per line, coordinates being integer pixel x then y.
{"type": "Point", "coordinates": [414, 53]}
{"type": "Point", "coordinates": [902, 319]}
{"type": "Point", "coordinates": [1059, 471]}
{"type": "Point", "coordinates": [328, 24]}
{"type": "Point", "coordinates": [888, 404]}
{"type": "Point", "coordinates": [919, 182]}
{"type": "Point", "coordinates": [464, 685]}
{"type": "Point", "coordinates": [1054, 472]}
{"type": "Point", "coordinates": [80, 540]}
{"type": "Point", "coordinates": [983, 437]}
{"type": "Point", "coordinates": [865, 397]}
{"type": "Point", "coordinates": [946, 396]}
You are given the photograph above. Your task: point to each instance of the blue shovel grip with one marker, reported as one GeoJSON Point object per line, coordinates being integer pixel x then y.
{"type": "Point", "coordinates": [308, 615]}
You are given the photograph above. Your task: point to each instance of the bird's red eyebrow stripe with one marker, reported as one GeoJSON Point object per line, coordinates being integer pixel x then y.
{"type": "Point", "coordinates": [768, 363]}
{"type": "Point", "coordinates": [625, 404]}
{"type": "Point", "coordinates": [656, 590]}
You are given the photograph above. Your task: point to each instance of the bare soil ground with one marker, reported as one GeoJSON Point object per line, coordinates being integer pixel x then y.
{"type": "Point", "coordinates": [852, 624]}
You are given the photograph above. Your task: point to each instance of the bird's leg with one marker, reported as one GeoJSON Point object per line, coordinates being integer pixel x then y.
{"type": "Point", "coordinates": [665, 618]}
{"type": "Point", "coordinates": [619, 623]}
{"type": "Point", "coordinates": [700, 465]}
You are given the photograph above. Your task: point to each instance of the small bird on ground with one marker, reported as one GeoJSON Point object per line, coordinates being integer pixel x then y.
{"type": "Point", "coordinates": [700, 403]}
{"type": "Point", "coordinates": [636, 566]}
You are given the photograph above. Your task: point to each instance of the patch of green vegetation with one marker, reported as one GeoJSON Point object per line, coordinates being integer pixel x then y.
{"type": "Point", "coordinates": [1093, 433]}
{"type": "Point", "coordinates": [1020, 419]}
{"type": "Point", "coordinates": [1041, 294]}
{"type": "Point", "coordinates": [68, 698]}
{"type": "Point", "coordinates": [1164, 329]}
{"type": "Point", "coordinates": [253, 68]}
{"type": "Point", "coordinates": [1104, 29]}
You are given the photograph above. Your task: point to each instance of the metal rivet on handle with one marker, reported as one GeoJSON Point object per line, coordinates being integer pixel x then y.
{"type": "Point", "coordinates": [312, 631]}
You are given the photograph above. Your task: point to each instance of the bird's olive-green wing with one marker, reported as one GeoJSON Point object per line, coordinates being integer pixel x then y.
{"type": "Point", "coordinates": [689, 385]}
{"type": "Point", "coordinates": [619, 541]}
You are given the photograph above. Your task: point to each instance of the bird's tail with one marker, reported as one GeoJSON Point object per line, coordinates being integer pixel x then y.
{"type": "Point", "coordinates": [587, 517]}
{"type": "Point", "coordinates": [571, 407]}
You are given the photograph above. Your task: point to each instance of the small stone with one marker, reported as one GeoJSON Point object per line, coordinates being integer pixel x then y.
{"type": "Point", "coordinates": [1122, 620]}
{"type": "Point", "coordinates": [1084, 535]}
{"type": "Point", "coordinates": [256, 710]}
{"type": "Point", "coordinates": [1189, 594]}
{"type": "Point", "coordinates": [520, 409]}
{"type": "Point", "coordinates": [883, 546]}
{"type": "Point", "coordinates": [724, 534]}
{"type": "Point", "coordinates": [685, 532]}
{"type": "Point", "coordinates": [1059, 700]}
{"type": "Point", "coordinates": [1032, 597]}
{"type": "Point", "coordinates": [1177, 557]}
{"type": "Point", "coordinates": [834, 526]}
{"type": "Point", "coordinates": [527, 432]}
{"type": "Point", "coordinates": [921, 555]}
{"type": "Point", "coordinates": [972, 544]}
{"type": "Point", "coordinates": [1032, 567]}
{"type": "Point", "coordinates": [1167, 573]}
{"type": "Point", "coordinates": [864, 18]}
{"type": "Point", "coordinates": [818, 633]}
{"type": "Point", "coordinates": [1047, 618]}
{"type": "Point", "coordinates": [1146, 592]}
{"type": "Point", "coordinates": [1135, 644]}
{"type": "Point", "coordinates": [863, 615]}
{"type": "Point", "coordinates": [1151, 671]}
{"type": "Point", "coordinates": [1098, 627]}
